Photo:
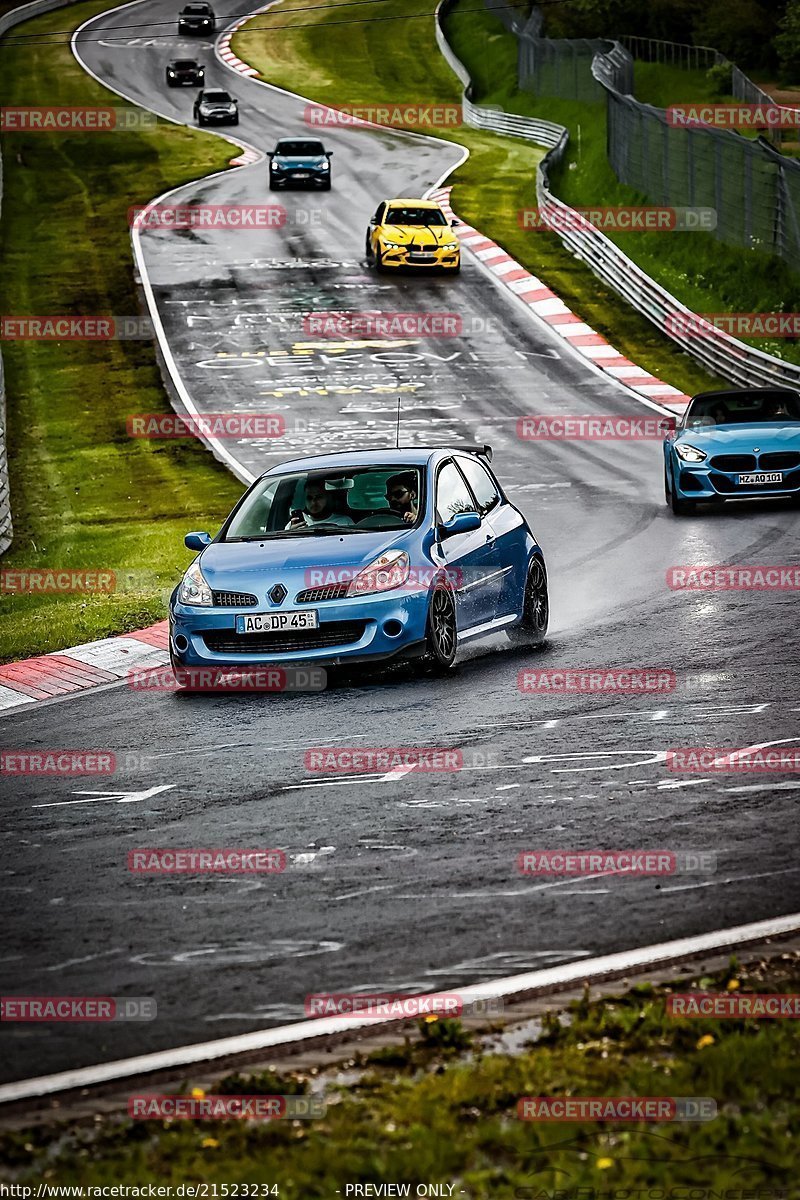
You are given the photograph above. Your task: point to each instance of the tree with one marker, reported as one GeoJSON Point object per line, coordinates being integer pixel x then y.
{"type": "Point", "coordinates": [787, 43]}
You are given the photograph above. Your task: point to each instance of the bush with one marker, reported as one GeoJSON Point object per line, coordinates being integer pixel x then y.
{"type": "Point", "coordinates": [720, 76]}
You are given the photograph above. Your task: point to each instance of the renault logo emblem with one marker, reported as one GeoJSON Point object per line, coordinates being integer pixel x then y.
{"type": "Point", "coordinates": [277, 594]}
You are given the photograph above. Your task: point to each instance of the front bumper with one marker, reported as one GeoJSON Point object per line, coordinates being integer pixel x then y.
{"type": "Point", "coordinates": [307, 177]}
{"type": "Point", "coordinates": [401, 257]}
{"type": "Point", "coordinates": [700, 481]}
{"type": "Point", "coordinates": [228, 118]}
{"type": "Point", "coordinates": [376, 627]}
{"type": "Point", "coordinates": [205, 27]}
{"type": "Point", "coordinates": [186, 80]}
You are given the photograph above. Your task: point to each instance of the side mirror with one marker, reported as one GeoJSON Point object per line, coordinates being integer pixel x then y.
{"type": "Point", "coordinates": [197, 541]}
{"type": "Point", "coordinates": [455, 221]}
{"type": "Point", "coordinates": [329, 154]}
{"type": "Point", "coordinates": [270, 154]}
{"type": "Point", "coordinates": [461, 523]}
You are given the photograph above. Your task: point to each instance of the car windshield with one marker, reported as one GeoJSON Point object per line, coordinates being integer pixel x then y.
{"type": "Point", "coordinates": [316, 503]}
{"type": "Point", "coordinates": [305, 149]}
{"type": "Point", "coordinates": [197, 10]}
{"type": "Point", "coordinates": [415, 216]}
{"type": "Point", "coordinates": [217, 97]}
{"type": "Point", "coordinates": [743, 408]}
{"type": "Point", "coordinates": [185, 63]}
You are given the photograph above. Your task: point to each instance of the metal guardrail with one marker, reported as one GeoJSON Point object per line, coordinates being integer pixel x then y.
{"type": "Point", "coordinates": [8, 21]}
{"type": "Point", "coordinates": [717, 351]}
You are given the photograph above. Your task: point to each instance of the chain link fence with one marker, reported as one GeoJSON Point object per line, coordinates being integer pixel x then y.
{"type": "Point", "coordinates": [720, 353]}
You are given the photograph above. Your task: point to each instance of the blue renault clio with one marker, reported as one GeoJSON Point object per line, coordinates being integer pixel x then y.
{"type": "Point", "coordinates": [361, 557]}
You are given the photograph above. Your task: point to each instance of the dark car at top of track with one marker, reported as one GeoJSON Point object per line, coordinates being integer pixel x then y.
{"type": "Point", "coordinates": [185, 72]}
{"type": "Point", "coordinates": [361, 557]}
{"type": "Point", "coordinates": [196, 18]}
{"type": "Point", "coordinates": [737, 444]}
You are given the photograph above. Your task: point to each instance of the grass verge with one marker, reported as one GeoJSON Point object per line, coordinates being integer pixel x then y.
{"type": "Point", "coordinates": [444, 1109]}
{"type": "Point", "coordinates": [703, 273]}
{"type": "Point", "coordinates": [84, 495]}
{"type": "Point", "coordinates": [386, 55]}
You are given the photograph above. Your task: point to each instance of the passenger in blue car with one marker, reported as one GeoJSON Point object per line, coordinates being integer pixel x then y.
{"type": "Point", "coordinates": [319, 509]}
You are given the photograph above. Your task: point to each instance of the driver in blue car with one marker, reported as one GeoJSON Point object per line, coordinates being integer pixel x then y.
{"type": "Point", "coordinates": [318, 510]}
{"type": "Point", "coordinates": [401, 495]}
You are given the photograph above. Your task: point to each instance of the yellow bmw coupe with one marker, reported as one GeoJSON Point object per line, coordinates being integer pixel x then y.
{"type": "Point", "coordinates": [412, 233]}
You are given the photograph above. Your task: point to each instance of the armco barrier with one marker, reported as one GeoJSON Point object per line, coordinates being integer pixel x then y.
{"type": "Point", "coordinates": [719, 353]}
{"type": "Point", "coordinates": [15, 17]}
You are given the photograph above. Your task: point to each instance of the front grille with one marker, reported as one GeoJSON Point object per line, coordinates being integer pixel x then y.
{"type": "Point", "coordinates": [729, 487]}
{"type": "Point", "coordinates": [332, 633]}
{"type": "Point", "coordinates": [427, 248]}
{"type": "Point", "coordinates": [734, 462]}
{"type": "Point", "coordinates": [329, 591]}
{"type": "Point", "coordinates": [784, 460]}
{"type": "Point", "coordinates": [234, 599]}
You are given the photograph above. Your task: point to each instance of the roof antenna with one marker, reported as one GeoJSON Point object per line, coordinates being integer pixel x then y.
{"type": "Point", "coordinates": [397, 446]}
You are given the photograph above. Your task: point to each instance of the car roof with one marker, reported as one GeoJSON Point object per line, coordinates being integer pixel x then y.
{"type": "Point", "coordinates": [419, 456]}
{"type": "Point", "coordinates": [414, 202]}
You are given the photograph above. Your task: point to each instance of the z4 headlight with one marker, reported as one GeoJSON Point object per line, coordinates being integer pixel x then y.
{"type": "Point", "coordinates": [690, 453]}
{"type": "Point", "coordinates": [389, 570]}
{"type": "Point", "coordinates": [194, 589]}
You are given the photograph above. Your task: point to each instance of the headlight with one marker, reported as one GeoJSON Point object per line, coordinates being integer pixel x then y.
{"type": "Point", "coordinates": [170, 71]}
{"type": "Point", "coordinates": [392, 246]}
{"type": "Point", "coordinates": [690, 453]}
{"type": "Point", "coordinates": [325, 166]}
{"type": "Point", "coordinates": [387, 571]}
{"type": "Point", "coordinates": [194, 589]}
{"type": "Point", "coordinates": [273, 166]}
{"type": "Point", "coordinates": [449, 246]}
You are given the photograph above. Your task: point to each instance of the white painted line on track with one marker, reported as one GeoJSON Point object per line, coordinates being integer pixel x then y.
{"type": "Point", "coordinates": [551, 979]}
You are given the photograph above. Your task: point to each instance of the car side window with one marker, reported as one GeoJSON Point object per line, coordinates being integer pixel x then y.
{"type": "Point", "coordinates": [483, 486]}
{"type": "Point", "coordinates": [452, 494]}
{"type": "Point", "coordinates": [376, 220]}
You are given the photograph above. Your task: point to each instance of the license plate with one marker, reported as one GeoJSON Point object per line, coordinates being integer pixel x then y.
{"type": "Point", "coordinates": [301, 174]}
{"type": "Point", "coordinates": [760, 477]}
{"type": "Point", "coordinates": [421, 257]}
{"type": "Point", "coordinates": [277, 622]}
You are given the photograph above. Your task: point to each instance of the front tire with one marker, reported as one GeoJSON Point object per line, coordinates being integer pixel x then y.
{"type": "Point", "coordinates": [441, 632]}
{"type": "Point", "coordinates": [532, 629]}
{"type": "Point", "coordinates": [379, 262]}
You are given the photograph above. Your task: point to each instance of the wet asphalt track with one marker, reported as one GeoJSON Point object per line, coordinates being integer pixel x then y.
{"type": "Point", "coordinates": [409, 882]}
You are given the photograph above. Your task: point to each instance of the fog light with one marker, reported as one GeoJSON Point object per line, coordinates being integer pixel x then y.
{"type": "Point", "coordinates": [392, 628]}
{"type": "Point", "coordinates": [181, 642]}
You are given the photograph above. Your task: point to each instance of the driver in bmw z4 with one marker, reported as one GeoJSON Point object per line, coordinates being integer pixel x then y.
{"type": "Point", "coordinates": [319, 510]}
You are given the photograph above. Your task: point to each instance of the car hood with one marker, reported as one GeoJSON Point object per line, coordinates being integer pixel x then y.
{"type": "Point", "coordinates": [294, 160]}
{"type": "Point", "coordinates": [403, 234]}
{"type": "Point", "coordinates": [744, 438]}
{"type": "Point", "coordinates": [218, 105]}
{"type": "Point", "coordinates": [255, 566]}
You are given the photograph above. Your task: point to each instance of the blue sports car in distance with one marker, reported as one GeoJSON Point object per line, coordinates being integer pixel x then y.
{"type": "Point", "coordinates": [355, 558]}
{"type": "Point", "coordinates": [742, 444]}
{"type": "Point", "coordinates": [304, 161]}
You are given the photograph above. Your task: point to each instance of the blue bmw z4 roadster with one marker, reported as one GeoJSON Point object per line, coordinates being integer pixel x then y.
{"type": "Point", "coordinates": [355, 558]}
{"type": "Point", "coordinates": [734, 445]}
